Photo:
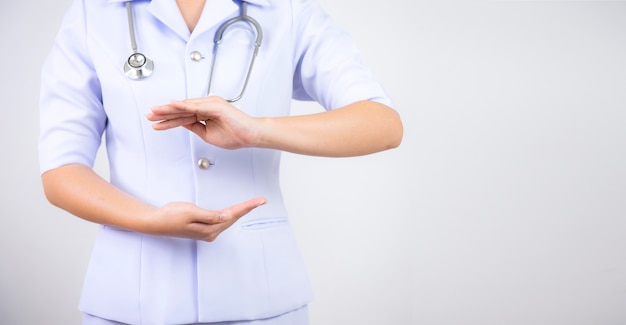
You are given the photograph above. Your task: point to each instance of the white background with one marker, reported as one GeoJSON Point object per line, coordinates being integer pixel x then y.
{"type": "Point", "coordinates": [505, 204]}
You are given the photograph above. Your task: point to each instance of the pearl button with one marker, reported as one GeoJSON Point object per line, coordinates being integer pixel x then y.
{"type": "Point", "coordinates": [204, 163]}
{"type": "Point", "coordinates": [196, 56]}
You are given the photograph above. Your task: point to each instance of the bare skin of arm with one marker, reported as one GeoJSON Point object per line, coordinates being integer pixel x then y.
{"type": "Point", "coordinates": [358, 129]}
{"type": "Point", "coordinates": [80, 191]}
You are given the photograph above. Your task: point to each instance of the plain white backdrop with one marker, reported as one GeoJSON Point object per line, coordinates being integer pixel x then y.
{"type": "Point", "coordinates": [505, 204]}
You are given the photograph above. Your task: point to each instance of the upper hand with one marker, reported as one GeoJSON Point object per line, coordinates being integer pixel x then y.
{"type": "Point", "coordinates": [212, 118]}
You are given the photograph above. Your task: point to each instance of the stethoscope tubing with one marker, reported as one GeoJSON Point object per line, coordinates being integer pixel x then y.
{"type": "Point", "coordinates": [131, 26]}
{"type": "Point", "coordinates": [219, 34]}
{"type": "Point", "coordinates": [139, 66]}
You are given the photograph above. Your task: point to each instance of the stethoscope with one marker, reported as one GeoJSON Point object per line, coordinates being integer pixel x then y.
{"type": "Point", "coordinates": [139, 66]}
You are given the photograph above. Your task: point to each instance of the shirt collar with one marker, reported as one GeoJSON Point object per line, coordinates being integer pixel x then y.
{"type": "Point", "coordinates": [261, 3]}
{"type": "Point", "coordinates": [165, 12]}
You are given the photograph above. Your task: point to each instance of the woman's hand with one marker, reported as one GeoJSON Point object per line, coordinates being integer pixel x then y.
{"type": "Point", "coordinates": [187, 220]}
{"type": "Point", "coordinates": [356, 129]}
{"type": "Point", "coordinates": [212, 118]}
{"type": "Point", "coordinates": [79, 190]}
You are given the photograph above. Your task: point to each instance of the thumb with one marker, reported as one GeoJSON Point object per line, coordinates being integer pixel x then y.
{"type": "Point", "coordinates": [198, 128]}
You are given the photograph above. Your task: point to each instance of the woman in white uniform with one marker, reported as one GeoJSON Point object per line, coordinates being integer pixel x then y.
{"type": "Point", "coordinates": [194, 229]}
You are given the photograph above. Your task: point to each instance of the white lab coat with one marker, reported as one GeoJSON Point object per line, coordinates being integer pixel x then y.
{"type": "Point", "coordinates": [253, 270]}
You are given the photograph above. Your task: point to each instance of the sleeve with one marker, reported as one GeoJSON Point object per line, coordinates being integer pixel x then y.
{"type": "Point", "coordinates": [328, 64]}
{"type": "Point", "coordinates": [71, 114]}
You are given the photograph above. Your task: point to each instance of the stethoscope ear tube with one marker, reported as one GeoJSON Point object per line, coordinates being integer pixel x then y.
{"type": "Point", "coordinates": [218, 39]}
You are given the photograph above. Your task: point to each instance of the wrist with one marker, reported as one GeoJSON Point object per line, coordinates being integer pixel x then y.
{"type": "Point", "coordinates": [132, 214]}
{"type": "Point", "coordinates": [259, 138]}
{"type": "Point", "coordinates": [146, 220]}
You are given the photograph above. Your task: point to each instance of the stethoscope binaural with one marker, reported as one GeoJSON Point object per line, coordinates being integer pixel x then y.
{"type": "Point", "coordinates": [139, 66]}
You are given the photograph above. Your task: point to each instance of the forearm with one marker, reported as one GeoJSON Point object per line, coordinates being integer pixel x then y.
{"type": "Point", "coordinates": [80, 191]}
{"type": "Point", "coordinates": [358, 129]}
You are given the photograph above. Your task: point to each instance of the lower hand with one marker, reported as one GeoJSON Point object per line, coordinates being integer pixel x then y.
{"type": "Point", "coordinates": [187, 220]}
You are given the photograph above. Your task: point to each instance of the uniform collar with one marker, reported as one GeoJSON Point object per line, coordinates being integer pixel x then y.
{"type": "Point", "coordinates": [261, 3]}
{"type": "Point", "coordinates": [166, 11]}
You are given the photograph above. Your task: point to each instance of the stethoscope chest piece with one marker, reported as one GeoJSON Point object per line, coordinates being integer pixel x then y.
{"type": "Point", "coordinates": [138, 66]}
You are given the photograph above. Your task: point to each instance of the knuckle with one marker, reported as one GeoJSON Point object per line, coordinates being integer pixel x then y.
{"type": "Point", "coordinates": [211, 238]}
{"type": "Point", "coordinates": [209, 234]}
{"type": "Point", "coordinates": [226, 214]}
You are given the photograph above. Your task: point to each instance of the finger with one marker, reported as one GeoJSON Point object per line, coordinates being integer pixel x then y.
{"type": "Point", "coordinates": [237, 211]}
{"type": "Point", "coordinates": [211, 99]}
{"type": "Point", "coordinates": [171, 108]}
{"type": "Point", "coordinates": [227, 215]}
{"type": "Point", "coordinates": [206, 106]}
{"type": "Point", "coordinates": [209, 230]}
{"type": "Point", "coordinates": [153, 116]}
{"type": "Point", "coordinates": [173, 123]}
{"type": "Point", "coordinates": [206, 232]}
{"type": "Point", "coordinates": [188, 105]}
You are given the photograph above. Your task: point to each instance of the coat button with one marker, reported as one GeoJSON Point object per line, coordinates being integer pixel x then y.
{"type": "Point", "coordinates": [204, 163]}
{"type": "Point", "coordinates": [196, 56]}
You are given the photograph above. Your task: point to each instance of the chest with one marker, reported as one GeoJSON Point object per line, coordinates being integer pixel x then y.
{"type": "Point", "coordinates": [184, 62]}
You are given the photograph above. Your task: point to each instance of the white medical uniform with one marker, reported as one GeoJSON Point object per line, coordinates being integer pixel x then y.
{"type": "Point", "coordinates": [254, 269]}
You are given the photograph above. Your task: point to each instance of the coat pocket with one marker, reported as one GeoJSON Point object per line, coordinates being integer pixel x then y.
{"type": "Point", "coordinates": [264, 223]}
